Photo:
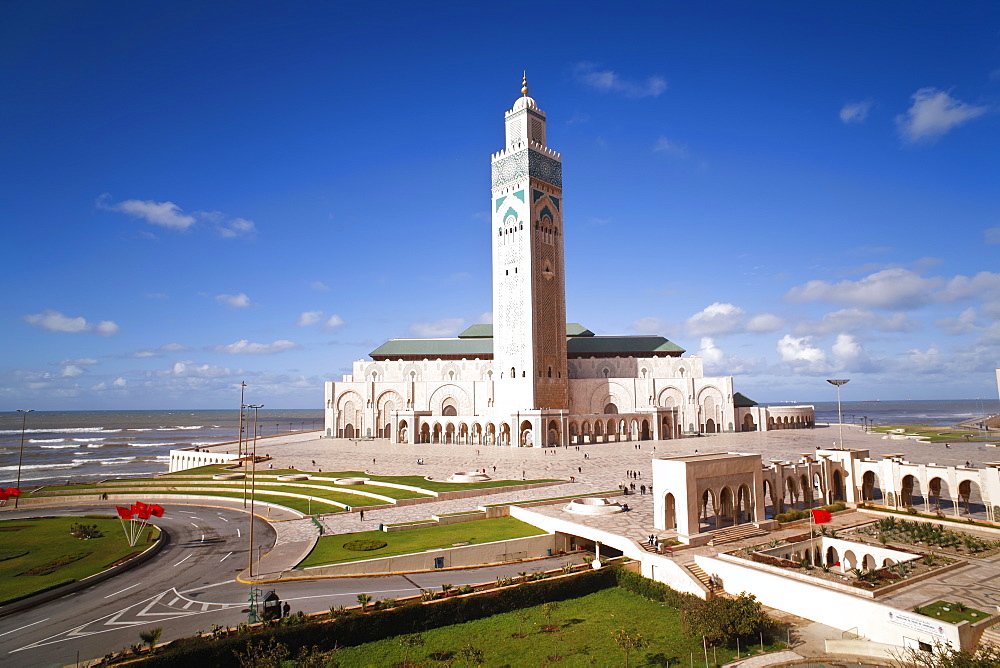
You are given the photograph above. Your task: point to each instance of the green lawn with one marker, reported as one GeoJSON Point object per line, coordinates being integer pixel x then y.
{"type": "Point", "coordinates": [580, 634]}
{"type": "Point", "coordinates": [951, 614]}
{"type": "Point", "coordinates": [330, 550]}
{"type": "Point", "coordinates": [46, 542]}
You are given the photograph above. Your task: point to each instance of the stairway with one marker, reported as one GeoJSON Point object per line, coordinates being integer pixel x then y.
{"type": "Point", "coordinates": [702, 576]}
{"type": "Point", "coordinates": [991, 636]}
{"type": "Point", "coordinates": [733, 534]}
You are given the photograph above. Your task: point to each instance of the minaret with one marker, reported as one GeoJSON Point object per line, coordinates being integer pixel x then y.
{"type": "Point", "coordinates": [529, 289]}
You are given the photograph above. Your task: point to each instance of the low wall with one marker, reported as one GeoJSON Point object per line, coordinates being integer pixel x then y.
{"type": "Point", "coordinates": [876, 621]}
{"type": "Point", "coordinates": [466, 556]}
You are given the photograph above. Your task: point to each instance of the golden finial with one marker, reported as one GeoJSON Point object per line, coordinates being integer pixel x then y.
{"type": "Point", "coordinates": [524, 84]}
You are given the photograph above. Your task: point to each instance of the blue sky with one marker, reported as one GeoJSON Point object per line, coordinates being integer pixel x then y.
{"type": "Point", "coordinates": [196, 194]}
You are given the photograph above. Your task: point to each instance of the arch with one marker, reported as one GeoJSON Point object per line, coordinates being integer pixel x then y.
{"type": "Point", "coordinates": [611, 393]}
{"type": "Point", "coordinates": [868, 563]}
{"type": "Point", "coordinates": [771, 504]}
{"type": "Point", "coordinates": [477, 433]}
{"type": "Point", "coordinates": [449, 409]}
{"type": "Point", "coordinates": [806, 489]}
{"type": "Point", "coordinates": [831, 556]}
{"type": "Point", "coordinates": [504, 435]}
{"type": "Point", "coordinates": [491, 433]}
{"type": "Point", "coordinates": [459, 399]}
{"type": "Point", "coordinates": [667, 428]}
{"type": "Point", "coordinates": [645, 432]}
{"type": "Point", "coordinates": [710, 426]}
{"type": "Point", "coordinates": [744, 505]}
{"type": "Point", "coordinates": [791, 494]}
{"type": "Point", "coordinates": [574, 433]}
{"type": "Point", "coordinates": [463, 434]}
{"type": "Point", "coordinates": [910, 492]}
{"type": "Point", "coordinates": [449, 433]}
{"type": "Point", "coordinates": [748, 423]}
{"type": "Point", "coordinates": [436, 436]}
{"type": "Point", "coordinates": [727, 508]}
{"type": "Point", "coordinates": [669, 512]}
{"type": "Point", "coordinates": [887, 562]}
{"type": "Point", "coordinates": [669, 397]}
{"type": "Point", "coordinates": [937, 496]}
{"type": "Point", "coordinates": [401, 432]}
{"type": "Point", "coordinates": [970, 499]}
{"type": "Point", "coordinates": [839, 491]}
{"type": "Point", "coordinates": [425, 433]}
{"type": "Point", "coordinates": [849, 561]}
{"type": "Point", "coordinates": [349, 431]}
{"type": "Point", "coordinates": [553, 433]}
{"type": "Point", "coordinates": [585, 434]}
{"type": "Point", "coordinates": [612, 430]}
{"type": "Point", "coordinates": [708, 500]}
{"type": "Point", "coordinates": [870, 490]}
{"type": "Point", "coordinates": [525, 437]}
{"type": "Point", "coordinates": [610, 409]}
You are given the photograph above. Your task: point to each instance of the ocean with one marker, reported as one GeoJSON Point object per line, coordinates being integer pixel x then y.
{"type": "Point", "coordinates": [93, 445]}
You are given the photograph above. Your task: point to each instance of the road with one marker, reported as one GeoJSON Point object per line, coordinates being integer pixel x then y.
{"type": "Point", "coordinates": [189, 586]}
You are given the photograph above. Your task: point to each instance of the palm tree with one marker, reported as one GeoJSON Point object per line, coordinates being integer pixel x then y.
{"type": "Point", "coordinates": [364, 600]}
{"type": "Point", "coordinates": [151, 637]}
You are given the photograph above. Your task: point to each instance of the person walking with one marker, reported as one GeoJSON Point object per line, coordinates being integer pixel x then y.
{"type": "Point", "coordinates": [361, 514]}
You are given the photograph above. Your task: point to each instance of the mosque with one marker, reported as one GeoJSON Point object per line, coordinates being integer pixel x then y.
{"type": "Point", "coordinates": [531, 379]}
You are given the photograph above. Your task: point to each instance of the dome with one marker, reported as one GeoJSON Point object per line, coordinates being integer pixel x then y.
{"type": "Point", "coordinates": [525, 102]}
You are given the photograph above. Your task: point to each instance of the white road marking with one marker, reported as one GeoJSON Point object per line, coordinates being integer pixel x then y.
{"type": "Point", "coordinates": [217, 584]}
{"type": "Point", "coordinates": [189, 604]}
{"type": "Point", "coordinates": [195, 517]}
{"type": "Point", "coordinates": [25, 626]}
{"type": "Point", "coordinates": [225, 557]}
{"type": "Point", "coordinates": [223, 518]}
{"type": "Point", "coordinates": [238, 534]}
{"type": "Point", "coordinates": [174, 600]}
{"type": "Point", "coordinates": [123, 590]}
{"type": "Point", "coordinates": [193, 524]}
{"type": "Point", "coordinates": [203, 538]}
{"type": "Point", "coordinates": [184, 559]}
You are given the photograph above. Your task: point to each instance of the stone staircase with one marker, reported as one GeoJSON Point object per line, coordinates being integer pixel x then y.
{"type": "Point", "coordinates": [733, 534]}
{"type": "Point", "coordinates": [991, 636]}
{"type": "Point", "coordinates": [701, 575]}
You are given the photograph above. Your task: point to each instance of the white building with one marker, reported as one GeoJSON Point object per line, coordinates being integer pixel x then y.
{"type": "Point", "coordinates": [532, 379]}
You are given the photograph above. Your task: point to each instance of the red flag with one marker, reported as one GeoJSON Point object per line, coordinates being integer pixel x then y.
{"type": "Point", "coordinates": [821, 516]}
{"type": "Point", "coordinates": [124, 513]}
{"type": "Point", "coordinates": [156, 510]}
{"type": "Point", "coordinates": [138, 507]}
{"type": "Point", "coordinates": [13, 491]}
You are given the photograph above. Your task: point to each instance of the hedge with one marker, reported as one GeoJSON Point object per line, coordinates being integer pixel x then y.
{"type": "Point", "coordinates": [356, 628]}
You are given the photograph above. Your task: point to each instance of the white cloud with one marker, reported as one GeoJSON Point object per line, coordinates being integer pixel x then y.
{"type": "Point", "coordinates": [855, 112]}
{"type": "Point", "coordinates": [237, 227]}
{"type": "Point", "coordinates": [889, 288]}
{"type": "Point", "coordinates": [440, 328]}
{"type": "Point", "coordinates": [174, 347]}
{"type": "Point", "coordinates": [608, 81]}
{"type": "Point", "coordinates": [309, 318]}
{"type": "Point", "coordinates": [963, 324]}
{"type": "Point", "coordinates": [800, 352]}
{"type": "Point", "coordinates": [485, 318]}
{"type": "Point", "coordinates": [81, 361]}
{"type": "Point", "coordinates": [164, 214]}
{"type": "Point", "coordinates": [933, 113]}
{"type": "Point", "coordinates": [716, 319]}
{"type": "Point", "coordinates": [764, 322]}
{"type": "Point", "coordinates": [119, 382]}
{"type": "Point", "coordinates": [189, 369]}
{"type": "Point", "coordinates": [852, 319]}
{"type": "Point", "coordinates": [710, 352]}
{"type": "Point", "coordinates": [144, 354]}
{"type": "Point", "coordinates": [924, 361]}
{"type": "Point", "coordinates": [664, 145]}
{"type": "Point", "coordinates": [334, 322]}
{"type": "Point", "coordinates": [985, 284]}
{"type": "Point", "coordinates": [54, 321]}
{"type": "Point", "coordinates": [846, 348]}
{"type": "Point", "coordinates": [244, 347]}
{"type": "Point", "coordinates": [234, 301]}
{"type": "Point", "coordinates": [992, 235]}
{"type": "Point", "coordinates": [319, 286]}
{"type": "Point", "coordinates": [71, 371]}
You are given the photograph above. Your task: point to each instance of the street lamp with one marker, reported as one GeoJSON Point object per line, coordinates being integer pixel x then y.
{"type": "Point", "coordinates": [253, 483]}
{"type": "Point", "coordinates": [20, 456]}
{"type": "Point", "coordinates": [840, 416]}
{"type": "Point", "coordinates": [239, 449]}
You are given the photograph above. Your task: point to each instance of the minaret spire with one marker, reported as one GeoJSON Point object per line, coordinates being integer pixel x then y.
{"type": "Point", "coordinates": [524, 84]}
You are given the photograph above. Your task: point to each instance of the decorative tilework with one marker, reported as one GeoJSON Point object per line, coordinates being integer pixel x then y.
{"type": "Point", "coordinates": [536, 195]}
{"type": "Point", "coordinates": [510, 212]}
{"type": "Point", "coordinates": [500, 202]}
{"type": "Point", "coordinates": [510, 168]}
{"type": "Point", "coordinates": [545, 212]}
{"type": "Point", "coordinates": [520, 195]}
{"type": "Point", "coordinates": [555, 200]}
{"type": "Point", "coordinates": [545, 168]}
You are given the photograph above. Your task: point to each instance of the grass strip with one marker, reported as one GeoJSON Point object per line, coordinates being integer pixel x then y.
{"type": "Point", "coordinates": [51, 556]}
{"type": "Point", "coordinates": [330, 549]}
{"type": "Point", "coordinates": [949, 612]}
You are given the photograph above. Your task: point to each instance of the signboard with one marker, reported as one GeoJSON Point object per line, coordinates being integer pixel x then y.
{"type": "Point", "coordinates": [917, 623]}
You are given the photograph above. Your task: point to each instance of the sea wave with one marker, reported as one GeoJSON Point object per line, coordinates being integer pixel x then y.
{"type": "Point", "coordinates": [62, 430]}
{"type": "Point", "coordinates": [88, 440]}
{"type": "Point", "coordinates": [45, 467]}
{"type": "Point", "coordinates": [152, 445]}
{"type": "Point", "coordinates": [58, 447]}
{"type": "Point", "coordinates": [95, 445]}
{"type": "Point", "coordinates": [183, 427]}
{"type": "Point", "coordinates": [46, 440]}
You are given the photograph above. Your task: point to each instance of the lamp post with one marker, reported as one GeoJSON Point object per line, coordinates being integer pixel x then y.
{"type": "Point", "coordinates": [20, 456]}
{"type": "Point", "coordinates": [253, 484]}
{"type": "Point", "coordinates": [840, 415]}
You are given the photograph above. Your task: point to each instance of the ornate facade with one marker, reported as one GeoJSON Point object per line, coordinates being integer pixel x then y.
{"type": "Point", "coordinates": [531, 379]}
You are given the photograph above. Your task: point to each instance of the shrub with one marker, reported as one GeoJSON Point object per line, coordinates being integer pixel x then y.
{"type": "Point", "coordinates": [85, 531]}
{"type": "Point", "coordinates": [364, 545]}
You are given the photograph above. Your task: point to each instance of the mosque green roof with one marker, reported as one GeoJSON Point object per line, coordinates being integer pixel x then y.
{"type": "Point", "coordinates": [477, 342]}
{"type": "Point", "coordinates": [741, 400]}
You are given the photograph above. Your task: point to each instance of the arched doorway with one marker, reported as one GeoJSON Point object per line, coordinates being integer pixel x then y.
{"type": "Point", "coordinates": [553, 433]}
{"type": "Point", "coordinates": [669, 512]}
{"type": "Point", "coordinates": [525, 438]}
{"type": "Point", "coordinates": [709, 426]}
{"type": "Point", "coordinates": [748, 423]}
